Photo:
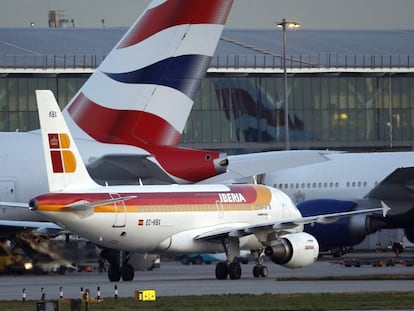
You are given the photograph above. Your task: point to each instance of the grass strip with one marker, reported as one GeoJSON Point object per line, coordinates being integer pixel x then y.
{"type": "Point", "coordinates": [327, 301]}
{"type": "Point", "coordinates": [373, 277]}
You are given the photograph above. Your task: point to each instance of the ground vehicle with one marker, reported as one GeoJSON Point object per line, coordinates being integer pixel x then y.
{"type": "Point", "coordinates": [208, 258]}
{"type": "Point", "coordinates": [11, 263]}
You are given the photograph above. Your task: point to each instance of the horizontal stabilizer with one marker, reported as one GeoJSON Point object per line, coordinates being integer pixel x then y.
{"type": "Point", "coordinates": [83, 204]}
{"type": "Point", "coordinates": [85, 208]}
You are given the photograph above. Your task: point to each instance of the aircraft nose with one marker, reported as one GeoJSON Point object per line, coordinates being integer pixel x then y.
{"type": "Point", "coordinates": [33, 204]}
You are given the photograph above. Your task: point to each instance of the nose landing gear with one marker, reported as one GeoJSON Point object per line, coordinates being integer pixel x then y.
{"type": "Point", "coordinates": [260, 270]}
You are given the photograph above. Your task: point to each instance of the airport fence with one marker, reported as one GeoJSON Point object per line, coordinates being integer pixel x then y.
{"type": "Point", "coordinates": [266, 60]}
{"type": "Point", "coordinates": [311, 61]}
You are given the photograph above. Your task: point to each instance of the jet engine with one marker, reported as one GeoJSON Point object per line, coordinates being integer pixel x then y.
{"type": "Point", "coordinates": [345, 232]}
{"type": "Point", "coordinates": [294, 250]}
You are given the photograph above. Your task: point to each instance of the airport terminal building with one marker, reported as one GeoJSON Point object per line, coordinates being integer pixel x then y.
{"type": "Point", "coordinates": [348, 90]}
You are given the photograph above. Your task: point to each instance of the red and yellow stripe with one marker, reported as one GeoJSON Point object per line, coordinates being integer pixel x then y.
{"type": "Point", "coordinates": [256, 197]}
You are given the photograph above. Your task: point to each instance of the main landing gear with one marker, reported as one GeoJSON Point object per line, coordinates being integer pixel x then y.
{"type": "Point", "coordinates": [116, 271]}
{"type": "Point", "coordinates": [232, 268]}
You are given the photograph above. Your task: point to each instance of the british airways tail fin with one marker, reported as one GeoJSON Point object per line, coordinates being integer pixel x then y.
{"type": "Point", "coordinates": [64, 165]}
{"type": "Point", "coordinates": [145, 88]}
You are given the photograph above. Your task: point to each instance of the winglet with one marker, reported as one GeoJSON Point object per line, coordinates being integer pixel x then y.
{"type": "Point", "coordinates": [64, 165]}
{"type": "Point", "coordinates": [385, 209]}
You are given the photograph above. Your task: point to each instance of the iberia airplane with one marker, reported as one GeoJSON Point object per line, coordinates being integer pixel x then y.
{"type": "Point", "coordinates": [169, 218]}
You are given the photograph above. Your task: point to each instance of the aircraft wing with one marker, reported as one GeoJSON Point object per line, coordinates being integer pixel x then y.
{"type": "Point", "coordinates": [13, 205]}
{"type": "Point", "coordinates": [280, 227]}
{"type": "Point", "coordinates": [248, 165]}
{"type": "Point", "coordinates": [126, 169]}
{"type": "Point", "coordinates": [18, 225]}
{"type": "Point", "coordinates": [39, 226]}
{"type": "Point", "coordinates": [398, 186]}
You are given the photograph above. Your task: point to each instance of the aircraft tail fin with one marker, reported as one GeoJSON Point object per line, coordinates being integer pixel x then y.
{"type": "Point", "coordinates": [64, 165]}
{"type": "Point", "coordinates": [146, 86]}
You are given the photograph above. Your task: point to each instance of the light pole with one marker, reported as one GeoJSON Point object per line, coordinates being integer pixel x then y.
{"type": "Point", "coordinates": [286, 24]}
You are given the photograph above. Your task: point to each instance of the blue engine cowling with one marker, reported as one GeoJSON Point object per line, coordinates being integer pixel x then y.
{"type": "Point", "coordinates": [345, 232]}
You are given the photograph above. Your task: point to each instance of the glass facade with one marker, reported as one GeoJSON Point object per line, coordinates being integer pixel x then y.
{"type": "Point", "coordinates": [244, 113]}
{"type": "Point", "coordinates": [18, 111]}
{"type": "Point", "coordinates": [331, 111]}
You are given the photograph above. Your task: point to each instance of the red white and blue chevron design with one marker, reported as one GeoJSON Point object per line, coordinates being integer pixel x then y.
{"type": "Point", "coordinates": [144, 90]}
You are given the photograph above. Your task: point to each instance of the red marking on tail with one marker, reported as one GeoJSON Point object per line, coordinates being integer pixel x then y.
{"type": "Point", "coordinates": [178, 12]}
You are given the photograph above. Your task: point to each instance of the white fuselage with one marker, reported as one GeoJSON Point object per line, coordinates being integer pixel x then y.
{"type": "Point", "coordinates": [172, 227]}
{"type": "Point", "coordinates": [344, 176]}
{"type": "Point", "coordinates": [23, 170]}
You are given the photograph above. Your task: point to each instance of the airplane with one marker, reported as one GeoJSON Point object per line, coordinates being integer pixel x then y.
{"type": "Point", "coordinates": [170, 218]}
{"type": "Point", "coordinates": [129, 115]}
{"type": "Point", "coordinates": [351, 181]}
{"type": "Point", "coordinates": [144, 90]}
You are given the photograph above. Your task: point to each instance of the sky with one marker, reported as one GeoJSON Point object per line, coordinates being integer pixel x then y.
{"type": "Point", "coordinates": [312, 14]}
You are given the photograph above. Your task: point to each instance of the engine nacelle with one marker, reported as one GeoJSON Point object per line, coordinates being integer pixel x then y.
{"type": "Point", "coordinates": [346, 231]}
{"type": "Point", "coordinates": [294, 250]}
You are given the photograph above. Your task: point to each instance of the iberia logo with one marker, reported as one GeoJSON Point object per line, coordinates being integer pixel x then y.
{"type": "Point", "coordinates": [63, 160]}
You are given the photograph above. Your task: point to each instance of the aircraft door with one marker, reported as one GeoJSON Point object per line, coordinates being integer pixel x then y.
{"type": "Point", "coordinates": [220, 212]}
{"type": "Point", "coordinates": [120, 212]}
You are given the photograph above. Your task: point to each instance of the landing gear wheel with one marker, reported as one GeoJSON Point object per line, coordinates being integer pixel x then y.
{"type": "Point", "coordinates": [221, 271]}
{"type": "Point", "coordinates": [260, 271]}
{"type": "Point", "coordinates": [127, 272]}
{"type": "Point", "coordinates": [114, 273]}
{"type": "Point", "coordinates": [256, 271]}
{"type": "Point", "coordinates": [234, 271]}
{"type": "Point", "coordinates": [264, 272]}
